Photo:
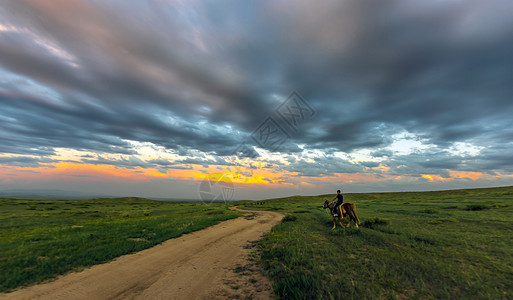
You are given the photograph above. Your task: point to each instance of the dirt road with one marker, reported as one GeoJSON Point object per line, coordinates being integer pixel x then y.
{"type": "Point", "coordinates": [207, 264]}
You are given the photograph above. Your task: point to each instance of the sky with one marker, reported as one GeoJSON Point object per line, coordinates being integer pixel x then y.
{"type": "Point", "coordinates": [255, 99]}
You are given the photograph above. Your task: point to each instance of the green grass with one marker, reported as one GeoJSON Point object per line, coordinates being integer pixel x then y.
{"type": "Point", "coordinates": [448, 244]}
{"type": "Point", "coordinates": [40, 239]}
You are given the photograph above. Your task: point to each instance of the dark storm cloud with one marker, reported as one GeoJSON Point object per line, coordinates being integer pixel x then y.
{"type": "Point", "coordinates": [494, 159]}
{"type": "Point", "coordinates": [382, 153]}
{"type": "Point", "coordinates": [202, 76]}
{"type": "Point", "coordinates": [24, 161]}
{"type": "Point", "coordinates": [31, 122]}
{"type": "Point", "coordinates": [204, 162]}
{"type": "Point", "coordinates": [161, 164]}
{"type": "Point", "coordinates": [439, 70]}
{"type": "Point", "coordinates": [436, 163]}
{"type": "Point", "coordinates": [322, 166]}
{"type": "Point", "coordinates": [370, 164]}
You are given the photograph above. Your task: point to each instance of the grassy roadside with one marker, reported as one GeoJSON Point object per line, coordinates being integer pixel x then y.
{"type": "Point", "coordinates": [40, 239]}
{"type": "Point", "coordinates": [450, 244]}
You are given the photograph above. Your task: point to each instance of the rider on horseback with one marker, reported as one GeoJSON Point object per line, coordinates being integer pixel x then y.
{"type": "Point", "coordinates": [340, 200]}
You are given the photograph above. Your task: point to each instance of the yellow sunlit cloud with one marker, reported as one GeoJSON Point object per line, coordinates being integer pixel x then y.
{"type": "Point", "coordinates": [427, 177]}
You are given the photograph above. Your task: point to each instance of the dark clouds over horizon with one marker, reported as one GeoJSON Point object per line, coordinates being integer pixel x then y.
{"type": "Point", "coordinates": [200, 76]}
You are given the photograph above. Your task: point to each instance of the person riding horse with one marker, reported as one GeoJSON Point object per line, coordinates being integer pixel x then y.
{"type": "Point", "coordinates": [344, 209]}
{"type": "Point", "coordinates": [340, 200]}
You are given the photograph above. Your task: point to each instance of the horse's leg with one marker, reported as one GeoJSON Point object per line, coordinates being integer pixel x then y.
{"type": "Point", "coordinates": [349, 218]}
{"type": "Point", "coordinates": [342, 218]}
{"type": "Point", "coordinates": [357, 219]}
{"type": "Point", "coordinates": [332, 213]}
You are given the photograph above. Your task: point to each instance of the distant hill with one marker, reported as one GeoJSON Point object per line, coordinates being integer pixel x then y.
{"type": "Point", "coordinates": [470, 192]}
{"type": "Point", "coordinates": [55, 193]}
{"type": "Point", "coordinates": [44, 193]}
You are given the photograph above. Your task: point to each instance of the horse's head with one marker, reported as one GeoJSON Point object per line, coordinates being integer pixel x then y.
{"type": "Point", "coordinates": [326, 203]}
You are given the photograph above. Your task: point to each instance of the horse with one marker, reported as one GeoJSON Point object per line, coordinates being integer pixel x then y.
{"type": "Point", "coordinates": [348, 209]}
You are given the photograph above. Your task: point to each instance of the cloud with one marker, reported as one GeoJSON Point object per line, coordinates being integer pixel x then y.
{"type": "Point", "coordinates": [193, 78]}
{"type": "Point", "coordinates": [25, 161]}
{"type": "Point", "coordinates": [322, 166]}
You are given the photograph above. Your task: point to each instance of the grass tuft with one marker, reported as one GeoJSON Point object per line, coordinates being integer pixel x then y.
{"type": "Point", "coordinates": [289, 218]}
{"type": "Point", "coordinates": [375, 221]}
{"type": "Point", "coordinates": [430, 211]}
{"type": "Point", "coordinates": [443, 221]}
{"type": "Point", "coordinates": [215, 212]}
{"type": "Point", "coordinates": [477, 207]}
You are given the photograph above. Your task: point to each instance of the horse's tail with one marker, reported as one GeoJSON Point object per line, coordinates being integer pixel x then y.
{"type": "Point", "coordinates": [356, 216]}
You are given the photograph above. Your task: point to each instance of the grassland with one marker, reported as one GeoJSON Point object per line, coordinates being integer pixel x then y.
{"type": "Point", "coordinates": [40, 239]}
{"type": "Point", "coordinates": [449, 244]}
